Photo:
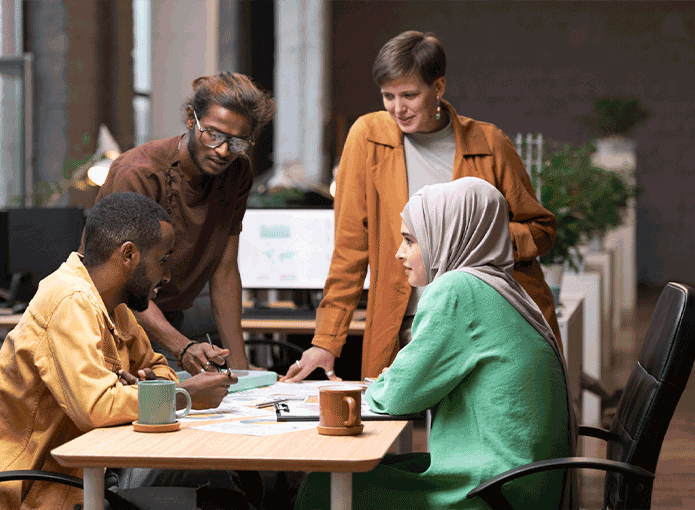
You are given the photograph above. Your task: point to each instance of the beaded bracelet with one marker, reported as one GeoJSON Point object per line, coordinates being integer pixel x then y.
{"type": "Point", "coordinates": [179, 361]}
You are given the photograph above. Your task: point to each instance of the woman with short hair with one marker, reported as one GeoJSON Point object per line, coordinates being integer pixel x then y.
{"type": "Point", "coordinates": [419, 140]}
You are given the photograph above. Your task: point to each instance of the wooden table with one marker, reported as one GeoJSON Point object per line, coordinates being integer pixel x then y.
{"type": "Point", "coordinates": [197, 449]}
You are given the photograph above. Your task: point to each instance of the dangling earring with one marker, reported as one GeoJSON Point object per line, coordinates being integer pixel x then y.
{"type": "Point", "coordinates": [439, 110]}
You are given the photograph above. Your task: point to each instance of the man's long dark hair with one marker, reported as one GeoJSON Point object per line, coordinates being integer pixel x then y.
{"type": "Point", "coordinates": [235, 92]}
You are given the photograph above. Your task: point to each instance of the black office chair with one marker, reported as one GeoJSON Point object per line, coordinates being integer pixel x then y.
{"type": "Point", "coordinates": [643, 414]}
{"type": "Point", "coordinates": [113, 500]}
{"type": "Point", "coordinates": [141, 498]}
{"type": "Point", "coordinates": [18, 294]}
{"type": "Point", "coordinates": [282, 353]}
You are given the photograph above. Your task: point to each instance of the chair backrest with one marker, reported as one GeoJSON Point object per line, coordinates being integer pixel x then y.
{"type": "Point", "coordinates": [651, 394]}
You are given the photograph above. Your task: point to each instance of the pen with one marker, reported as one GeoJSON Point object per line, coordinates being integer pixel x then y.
{"type": "Point", "coordinates": [220, 368]}
{"type": "Point", "coordinates": [270, 403]}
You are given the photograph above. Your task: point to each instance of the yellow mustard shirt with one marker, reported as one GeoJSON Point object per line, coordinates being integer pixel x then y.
{"type": "Point", "coordinates": [58, 380]}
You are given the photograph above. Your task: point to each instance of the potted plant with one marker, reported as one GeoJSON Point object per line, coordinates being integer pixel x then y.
{"type": "Point", "coordinates": [586, 200]}
{"type": "Point", "coordinates": [558, 183]}
{"type": "Point", "coordinates": [607, 197]}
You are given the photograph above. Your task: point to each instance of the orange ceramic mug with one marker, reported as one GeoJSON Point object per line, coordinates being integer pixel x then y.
{"type": "Point", "coordinates": [340, 410]}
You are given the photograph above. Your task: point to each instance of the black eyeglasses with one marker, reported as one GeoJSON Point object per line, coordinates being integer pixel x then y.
{"type": "Point", "coordinates": [213, 139]}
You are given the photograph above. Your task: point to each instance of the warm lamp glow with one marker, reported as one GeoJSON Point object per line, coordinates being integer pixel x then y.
{"type": "Point", "coordinates": [97, 173]}
{"type": "Point", "coordinates": [332, 189]}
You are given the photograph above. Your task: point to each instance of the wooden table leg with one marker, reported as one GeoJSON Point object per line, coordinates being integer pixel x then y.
{"type": "Point", "coordinates": [341, 491]}
{"type": "Point", "coordinates": [93, 488]}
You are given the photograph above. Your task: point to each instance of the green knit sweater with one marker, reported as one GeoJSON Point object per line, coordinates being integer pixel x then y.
{"type": "Point", "coordinates": [498, 400]}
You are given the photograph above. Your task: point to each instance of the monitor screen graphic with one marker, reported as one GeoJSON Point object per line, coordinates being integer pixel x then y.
{"type": "Point", "coordinates": [286, 248]}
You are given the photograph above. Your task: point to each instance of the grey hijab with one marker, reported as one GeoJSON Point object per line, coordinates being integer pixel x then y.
{"type": "Point", "coordinates": [463, 225]}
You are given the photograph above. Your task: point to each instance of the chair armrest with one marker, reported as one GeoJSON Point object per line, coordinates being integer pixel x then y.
{"type": "Point", "coordinates": [586, 430]}
{"type": "Point", "coordinates": [44, 476]}
{"type": "Point", "coordinates": [490, 490]}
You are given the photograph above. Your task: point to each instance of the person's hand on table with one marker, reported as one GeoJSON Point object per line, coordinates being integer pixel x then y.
{"type": "Point", "coordinates": [126, 378]}
{"type": "Point", "coordinates": [207, 389]}
{"type": "Point", "coordinates": [201, 357]}
{"type": "Point", "coordinates": [312, 358]}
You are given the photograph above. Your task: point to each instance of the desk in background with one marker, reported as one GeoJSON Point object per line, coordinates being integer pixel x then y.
{"type": "Point", "coordinates": [603, 263]}
{"type": "Point", "coordinates": [250, 324]}
{"type": "Point", "coordinates": [9, 321]}
{"type": "Point", "coordinates": [298, 329]}
{"type": "Point", "coordinates": [589, 285]}
{"type": "Point", "coordinates": [291, 324]}
{"type": "Point", "coordinates": [570, 316]}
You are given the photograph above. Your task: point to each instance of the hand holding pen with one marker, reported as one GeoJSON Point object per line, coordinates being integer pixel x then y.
{"type": "Point", "coordinates": [214, 364]}
{"type": "Point", "coordinates": [198, 357]}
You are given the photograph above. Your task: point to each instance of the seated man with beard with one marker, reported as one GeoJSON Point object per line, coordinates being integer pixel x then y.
{"type": "Point", "coordinates": [70, 364]}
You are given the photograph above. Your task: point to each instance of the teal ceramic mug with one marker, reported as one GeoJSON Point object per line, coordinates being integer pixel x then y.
{"type": "Point", "coordinates": [157, 402]}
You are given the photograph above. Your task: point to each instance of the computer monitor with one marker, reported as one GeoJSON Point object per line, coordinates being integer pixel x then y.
{"type": "Point", "coordinates": [286, 248]}
{"type": "Point", "coordinates": [38, 240]}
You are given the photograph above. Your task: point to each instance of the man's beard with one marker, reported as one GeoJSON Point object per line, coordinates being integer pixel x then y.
{"type": "Point", "coordinates": [138, 290]}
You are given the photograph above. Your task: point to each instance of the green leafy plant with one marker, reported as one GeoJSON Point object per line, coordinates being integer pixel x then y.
{"type": "Point", "coordinates": [43, 193]}
{"type": "Point", "coordinates": [586, 200]}
{"type": "Point", "coordinates": [559, 187]}
{"type": "Point", "coordinates": [607, 198]}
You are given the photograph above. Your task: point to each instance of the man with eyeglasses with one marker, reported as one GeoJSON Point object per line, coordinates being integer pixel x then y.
{"type": "Point", "coordinates": [203, 179]}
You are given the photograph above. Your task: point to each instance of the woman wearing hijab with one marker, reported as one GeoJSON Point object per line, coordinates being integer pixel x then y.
{"type": "Point", "coordinates": [482, 358]}
{"type": "Point", "coordinates": [418, 140]}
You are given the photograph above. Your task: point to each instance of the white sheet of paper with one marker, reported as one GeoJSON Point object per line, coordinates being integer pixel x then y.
{"type": "Point", "coordinates": [256, 426]}
{"type": "Point", "coordinates": [261, 422]}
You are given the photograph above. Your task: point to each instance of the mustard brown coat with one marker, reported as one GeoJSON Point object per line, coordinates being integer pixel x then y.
{"type": "Point", "coordinates": [371, 191]}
